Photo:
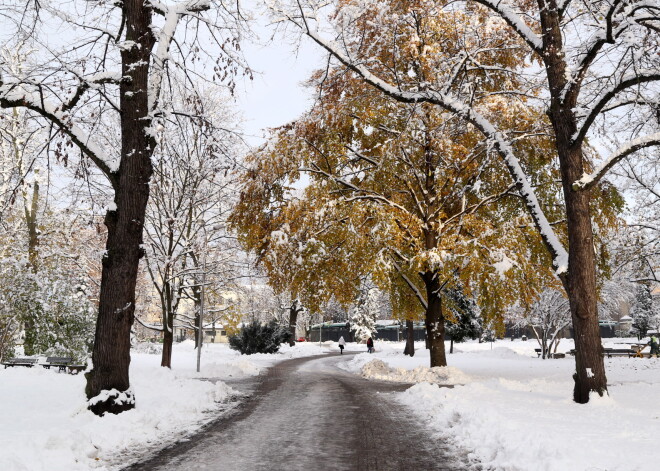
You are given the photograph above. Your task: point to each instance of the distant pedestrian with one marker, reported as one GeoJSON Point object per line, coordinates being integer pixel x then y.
{"type": "Point", "coordinates": [370, 345]}
{"type": "Point", "coordinates": [655, 346]}
{"type": "Point", "coordinates": [342, 344]}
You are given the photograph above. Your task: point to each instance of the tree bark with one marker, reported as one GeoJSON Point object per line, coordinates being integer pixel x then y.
{"type": "Point", "coordinates": [168, 324]}
{"type": "Point", "coordinates": [580, 280]}
{"type": "Point", "coordinates": [111, 353]}
{"type": "Point", "coordinates": [30, 211]}
{"type": "Point", "coordinates": [294, 310]}
{"type": "Point", "coordinates": [197, 301]}
{"type": "Point", "coordinates": [410, 339]}
{"type": "Point", "coordinates": [168, 341]}
{"type": "Point", "coordinates": [435, 322]}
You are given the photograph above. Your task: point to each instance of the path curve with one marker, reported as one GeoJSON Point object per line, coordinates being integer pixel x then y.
{"type": "Point", "coordinates": [307, 414]}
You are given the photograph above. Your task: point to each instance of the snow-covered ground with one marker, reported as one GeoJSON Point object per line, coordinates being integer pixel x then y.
{"type": "Point", "coordinates": [510, 409]}
{"type": "Point", "coordinates": [514, 411]}
{"type": "Point", "coordinates": [44, 423]}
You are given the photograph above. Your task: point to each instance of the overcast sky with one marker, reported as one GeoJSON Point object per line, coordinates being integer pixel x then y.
{"type": "Point", "coordinates": [275, 96]}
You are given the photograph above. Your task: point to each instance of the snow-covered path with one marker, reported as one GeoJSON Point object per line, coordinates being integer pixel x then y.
{"type": "Point", "coordinates": [308, 414]}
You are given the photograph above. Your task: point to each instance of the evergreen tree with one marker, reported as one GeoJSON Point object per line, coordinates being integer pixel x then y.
{"type": "Point", "coordinates": [259, 338]}
{"type": "Point", "coordinates": [463, 320]}
{"type": "Point", "coordinates": [642, 311]}
{"type": "Point", "coordinates": [363, 317]}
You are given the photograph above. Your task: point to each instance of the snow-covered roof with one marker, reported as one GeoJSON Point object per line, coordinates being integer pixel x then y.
{"type": "Point", "coordinates": [329, 324]}
{"type": "Point", "coordinates": [387, 322]}
{"type": "Point", "coordinates": [211, 325]}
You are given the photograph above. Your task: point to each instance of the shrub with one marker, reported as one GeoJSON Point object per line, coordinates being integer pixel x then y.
{"type": "Point", "coordinates": [257, 338]}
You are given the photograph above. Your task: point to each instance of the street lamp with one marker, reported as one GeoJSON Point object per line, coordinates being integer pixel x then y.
{"type": "Point", "coordinates": [200, 328]}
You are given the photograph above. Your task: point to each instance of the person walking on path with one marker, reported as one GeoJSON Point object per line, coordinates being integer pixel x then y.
{"type": "Point", "coordinates": [342, 344]}
{"type": "Point", "coordinates": [370, 345]}
{"type": "Point", "coordinates": [655, 346]}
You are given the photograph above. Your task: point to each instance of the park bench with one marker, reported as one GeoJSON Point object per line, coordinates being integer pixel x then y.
{"type": "Point", "coordinates": [550, 355]}
{"type": "Point", "coordinates": [29, 362]}
{"type": "Point", "coordinates": [60, 362]}
{"type": "Point", "coordinates": [610, 352]}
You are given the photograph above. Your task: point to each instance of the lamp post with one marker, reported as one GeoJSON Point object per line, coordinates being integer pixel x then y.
{"type": "Point", "coordinates": [200, 329]}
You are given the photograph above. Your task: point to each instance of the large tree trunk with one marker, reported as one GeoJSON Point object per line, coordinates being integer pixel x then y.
{"type": "Point", "coordinates": [30, 341]}
{"type": "Point", "coordinates": [108, 386]}
{"type": "Point", "coordinates": [168, 336]}
{"type": "Point", "coordinates": [168, 324]}
{"type": "Point", "coordinates": [294, 310]}
{"type": "Point", "coordinates": [580, 281]}
{"type": "Point", "coordinates": [168, 341]}
{"type": "Point", "coordinates": [410, 339]}
{"type": "Point", "coordinates": [581, 287]}
{"type": "Point", "coordinates": [435, 322]}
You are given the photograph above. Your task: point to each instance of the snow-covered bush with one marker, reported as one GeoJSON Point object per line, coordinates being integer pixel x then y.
{"type": "Point", "coordinates": [364, 313]}
{"type": "Point", "coordinates": [8, 333]}
{"type": "Point", "coordinates": [259, 338]}
{"type": "Point", "coordinates": [51, 305]}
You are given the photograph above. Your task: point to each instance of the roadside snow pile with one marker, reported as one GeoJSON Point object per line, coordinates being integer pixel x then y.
{"type": "Point", "coordinates": [378, 369]}
{"type": "Point", "coordinates": [234, 368]}
{"type": "Point", "coordinates": [517, 413]}
{"type": "Point", "coordinates": [46, 426]}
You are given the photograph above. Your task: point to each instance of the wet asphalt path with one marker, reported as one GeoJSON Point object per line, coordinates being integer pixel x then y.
{"type": "Point", "coordinates": [307, 414]}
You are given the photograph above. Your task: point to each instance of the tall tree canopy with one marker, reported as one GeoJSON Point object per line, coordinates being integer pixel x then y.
{"type": "Point", "coordinates": [592, 73]}
{"type": "Point", "coordinates": [412, 184]}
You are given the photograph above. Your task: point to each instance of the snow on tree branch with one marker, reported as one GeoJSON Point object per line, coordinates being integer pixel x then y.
{"type": "Point", "coordinates": [629, 81]}
{"type": "Point", "coordinates": [410, 284]}
{"type": "Point", "coordinates": [16, 95]}
{"type": "Point", "coordinates": [588, 181]}
{"type": "Point", "coordinates": [513, 19]}
{"type": "Point", "coordinates": [172, 16]}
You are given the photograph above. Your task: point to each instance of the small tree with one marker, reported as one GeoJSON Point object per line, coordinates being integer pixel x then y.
{"type": "Point", "coordinates": [462, 320]}
{"type": "Point", "coordinates": [644, 318]}
{"type": "Point", "coordinates": [547, 318]}
{"type": "Point", "coordinates": [259, 338]}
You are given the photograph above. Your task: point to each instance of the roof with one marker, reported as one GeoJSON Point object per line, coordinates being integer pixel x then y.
{"type": "Point", "coordinates": [325, 325]}
{"type": "Point", "coordinates": [387, 322]}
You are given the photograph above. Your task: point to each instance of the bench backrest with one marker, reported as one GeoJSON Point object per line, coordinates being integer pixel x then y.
{"type": "Point", "coordinates": [20, 360]}
{"type": "Point", "coordinates": [59, 360]}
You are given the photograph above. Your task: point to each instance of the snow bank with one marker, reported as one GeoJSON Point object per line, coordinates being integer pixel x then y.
{"type": "Point", "coordinates": [377, 369]}
{"type": "Point", "coordinates": [515, 412]}
{"type": "Point", "coordinates": [46, 426]}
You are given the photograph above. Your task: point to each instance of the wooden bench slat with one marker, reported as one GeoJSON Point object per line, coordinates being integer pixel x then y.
{"type": "Point", "coordinates": [29, 362]}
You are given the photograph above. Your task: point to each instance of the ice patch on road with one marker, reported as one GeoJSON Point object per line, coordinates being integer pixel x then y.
{"type": "Point", "coordinates": [378, 369]}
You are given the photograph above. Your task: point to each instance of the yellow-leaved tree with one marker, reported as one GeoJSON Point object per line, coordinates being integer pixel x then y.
{"type": "Point", "coordinates": [407, 193]}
